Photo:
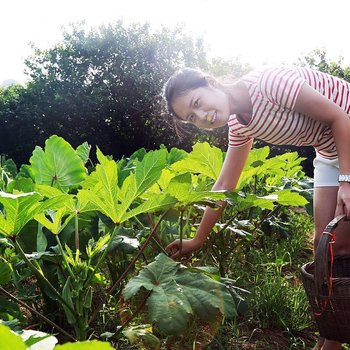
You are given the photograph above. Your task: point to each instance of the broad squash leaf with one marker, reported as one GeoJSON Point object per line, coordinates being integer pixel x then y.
{"type": "Point", "coordinates": [204, 159]}
{"type": "Point", "coordinates": [104, 190]}
{"type": "Point", "coordinates": [287, 197]}
{"type": "Point", "coordinates": [115, 202]}
{"type": "Point", "coordinates": [156, 203]}
{"type": "Point", "coordinates": [18, 209]}
{"type": "Point", "coordinates": [58, 165]}
{"type": "Point", "coordinates": [177, 293]}
{"type": "Point", "coordinates": [181, 188]}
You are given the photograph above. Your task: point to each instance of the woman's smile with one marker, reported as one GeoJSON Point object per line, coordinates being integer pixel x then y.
{"type": "Point", "coordinates": [211, 118]}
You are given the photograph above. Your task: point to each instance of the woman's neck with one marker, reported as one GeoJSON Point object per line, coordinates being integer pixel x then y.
{"type": "Point", "coordinates": [240, 101]}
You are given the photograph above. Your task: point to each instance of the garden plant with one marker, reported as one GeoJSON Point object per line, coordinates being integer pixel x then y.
{"type": "Point", "coordinates": [82, 244]}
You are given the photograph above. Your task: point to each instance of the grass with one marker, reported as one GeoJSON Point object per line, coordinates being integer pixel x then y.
{"type": "Point", "coordinates": [279, 315]}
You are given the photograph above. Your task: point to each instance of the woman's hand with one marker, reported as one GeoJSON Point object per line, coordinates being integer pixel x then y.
{"type": "Point", "coordinates": [343, 202]}
{"type": "Point", "coordinates": [188, 246]}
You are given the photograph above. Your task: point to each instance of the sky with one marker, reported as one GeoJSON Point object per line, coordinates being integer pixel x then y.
{"type": "Point", "coordinates": [257, 31]}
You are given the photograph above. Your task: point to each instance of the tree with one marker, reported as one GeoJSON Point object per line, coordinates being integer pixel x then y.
{"type": "Point", "coordinates": [102, 86]}
{"type": "Point", "coordinates": [105, 85]}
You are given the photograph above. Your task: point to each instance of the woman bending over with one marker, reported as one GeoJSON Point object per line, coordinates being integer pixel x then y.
{"type": "Point", "coordinates": [282, 106]}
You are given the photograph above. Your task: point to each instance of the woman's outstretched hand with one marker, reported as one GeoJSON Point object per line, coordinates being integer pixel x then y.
{"type": "Point", "coordinates": [343, 203]}
{"type": "Point", "coordinates": [188, 246]}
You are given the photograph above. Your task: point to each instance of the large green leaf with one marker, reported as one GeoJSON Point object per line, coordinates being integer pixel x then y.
{"type": "Point", "coordinates": [176, 155]}
{"type": "Point", "coordinates": [177, 293]}
{"type": "Point", "coordinates": [105, 196]}
{"type": "Point", "coordinates": [287, 197]}
{"type": "Point", "coordinates": [156, 203]}
{"type": "Point", "coordinates": [202, 290]}
{"type": "Point", "coordinates": [152, 275]}
{"type": "Point", "coordinates": [103, 193]}
{"type": "Point", "coordinates": [55, 220]}
{"type": "Point", "coordinates": [9, 340]}
{"type": "Point", "coordinates": [58, 165]}
{"type": "Point", "coordinates": [83, 151]}
{"type": "Point", "coordinates": [17, 210]}
{"type": "Point", "coordinates": [204, 159]}
{"type": "Point", "coordinates": [182, 189]}
{"type": "Point", "coordinates": [147, 172]}
{"type": "Point", "coordinates": [168, 308]}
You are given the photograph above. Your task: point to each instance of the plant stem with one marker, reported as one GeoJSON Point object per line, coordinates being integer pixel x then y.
{"type": "Point", "coordinates": [36, 313]}
{"type": "Point", "coordinates": [40, 276]}
{"type": "Point", "coordinates": [64, 257]}
{"type": "Point", "coordinates": [77, 242]}
{"type": "Point", "coordinates": [151, 223]}
{"type": "Point", "coordinates": [156, 240]}
{"type": "Point", "coordinates": [133, 261]}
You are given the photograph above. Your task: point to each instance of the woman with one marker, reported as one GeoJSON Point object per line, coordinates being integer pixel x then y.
{"type": "Point", "coordinates": [283, 105]}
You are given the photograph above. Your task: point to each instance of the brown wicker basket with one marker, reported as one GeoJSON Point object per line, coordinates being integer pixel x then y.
{"type": "Point", "coordinates": [327, 285]}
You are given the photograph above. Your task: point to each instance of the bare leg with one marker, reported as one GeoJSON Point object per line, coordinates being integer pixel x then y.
{"type": "Point", "coordinates": [324, 207]}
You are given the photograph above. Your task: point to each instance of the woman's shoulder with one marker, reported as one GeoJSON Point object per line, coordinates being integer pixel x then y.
{"type": "Point", "coordinates": [267, 72]}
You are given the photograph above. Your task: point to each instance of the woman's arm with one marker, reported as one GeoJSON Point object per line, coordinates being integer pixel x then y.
{"type": "Point", "coordinates": [228, 178]}
{"type": "Point", "coordinates": [316, 106]}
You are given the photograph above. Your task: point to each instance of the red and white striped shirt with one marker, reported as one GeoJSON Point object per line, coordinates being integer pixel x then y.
{"type": "Point", "coordinates": [273, 93]}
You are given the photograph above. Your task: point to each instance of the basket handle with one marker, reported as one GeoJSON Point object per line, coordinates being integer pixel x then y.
{"type": "Point", "coordinates": [322, 256]}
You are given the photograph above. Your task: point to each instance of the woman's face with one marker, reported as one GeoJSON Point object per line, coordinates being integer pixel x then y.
{"type": "Point", "coordinates": [205, 107]}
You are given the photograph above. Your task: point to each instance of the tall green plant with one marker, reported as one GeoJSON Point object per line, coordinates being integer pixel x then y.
{"type": "Point", "coordinates": [64, 197]}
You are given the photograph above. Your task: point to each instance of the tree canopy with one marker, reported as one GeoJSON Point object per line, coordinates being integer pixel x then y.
{"type": "Point", "coordinates": [104, 86]}
{"type": "Point", "coordinates": [98, 85]}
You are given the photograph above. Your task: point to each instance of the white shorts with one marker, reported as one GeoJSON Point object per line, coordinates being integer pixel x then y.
{"type": "Point", "coordinates": [326, 171]}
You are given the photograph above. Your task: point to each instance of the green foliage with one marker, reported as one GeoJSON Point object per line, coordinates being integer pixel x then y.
{"type": "Point", "coordinates": [204, 159]}
{"type": "Point", "coordinates": [65, 203]}
{"type": "Point", "coordinates": [9, 340]}
{"type": "Point", "coordinates": [267, 187]}
{"type": "Point", "coordinates": [142, 336]}
{"type": "Point", "coordinates": [84, 230]}
{"type": "Point", "coordinates": [5, 273]}
{"type": "Point", "coordinates": [58, 166]}
{"type": "Point", "coordinates": [318, 59]}
{"type": "Point", "coordinates": [8, 171]}
{"type": "Point", "coordinates": [177, 293]}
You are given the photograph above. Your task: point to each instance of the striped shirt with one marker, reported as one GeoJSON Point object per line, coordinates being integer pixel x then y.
{"type": "Point", "coordinates": [273, 94]}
